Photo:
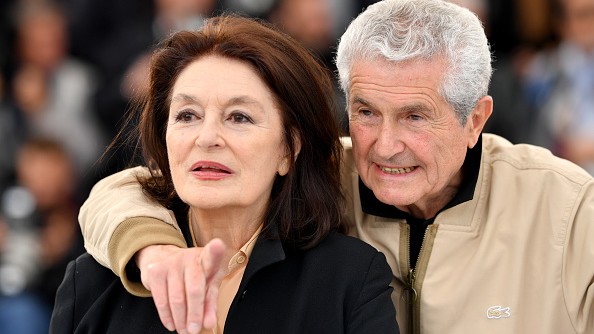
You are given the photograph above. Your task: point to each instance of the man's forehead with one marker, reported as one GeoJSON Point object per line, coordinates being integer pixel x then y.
{"type": "Point", "coordinates": [403, 106]}
{"type": "Point", "coordinates": [384, 73]}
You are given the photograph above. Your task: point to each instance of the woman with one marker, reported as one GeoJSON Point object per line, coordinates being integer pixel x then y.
{"type": "Point", "coordinates": [239, 125]}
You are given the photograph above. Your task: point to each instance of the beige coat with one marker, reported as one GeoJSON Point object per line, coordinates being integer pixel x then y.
{"type": "Point", "coordinates": [517, 258]}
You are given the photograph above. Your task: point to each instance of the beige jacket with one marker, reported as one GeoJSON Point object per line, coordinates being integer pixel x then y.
{"type": "Point", "coordinates": [517, 258]}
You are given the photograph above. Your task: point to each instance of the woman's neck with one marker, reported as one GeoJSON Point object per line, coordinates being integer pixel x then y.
{"type": "Point", "coordinates": [234, 227]}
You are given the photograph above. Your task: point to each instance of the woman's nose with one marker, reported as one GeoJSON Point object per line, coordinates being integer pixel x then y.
{"type": "Point", "coordinates": [210, 134]}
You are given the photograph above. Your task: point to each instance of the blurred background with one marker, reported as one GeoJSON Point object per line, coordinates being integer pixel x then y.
{"type": "Point", "coordinates": [70, 68]}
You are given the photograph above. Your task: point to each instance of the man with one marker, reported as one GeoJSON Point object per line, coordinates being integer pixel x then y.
{"type": "Point", "coordinates": [482, 236]}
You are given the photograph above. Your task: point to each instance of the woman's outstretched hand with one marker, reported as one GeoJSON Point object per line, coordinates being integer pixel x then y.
{"type": "Point", "coordinates": [184, 283]}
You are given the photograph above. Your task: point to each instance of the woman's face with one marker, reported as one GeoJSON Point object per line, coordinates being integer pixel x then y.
{"type": "Point", "coordinates": [224, 136]}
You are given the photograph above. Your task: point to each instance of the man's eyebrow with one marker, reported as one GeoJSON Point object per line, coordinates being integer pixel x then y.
{"type": "Point", "coordinates": [408, 108]}
{"type": "Point", "coordinates": [413, 108]}
{"type": "Point", "coordinates": [360, 100]}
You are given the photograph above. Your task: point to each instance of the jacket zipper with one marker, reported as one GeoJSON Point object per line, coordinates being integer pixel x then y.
{"type": "Point", "coordinates": [414, 298]}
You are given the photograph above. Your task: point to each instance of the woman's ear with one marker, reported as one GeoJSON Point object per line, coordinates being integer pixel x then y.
{"type": "Point", "coordinates": [297, 144]}
{"type": "Point", "coordinates": [283, 167]}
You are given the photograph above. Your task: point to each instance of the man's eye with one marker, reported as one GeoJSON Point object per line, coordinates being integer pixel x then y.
{"type": "Point", "coordinates": [365, 112]}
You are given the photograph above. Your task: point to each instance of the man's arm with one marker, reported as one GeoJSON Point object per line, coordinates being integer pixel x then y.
{"type": "Point", "coordinates": [578, 272]}
{"type": "Point", "coordinates": [118, 220]}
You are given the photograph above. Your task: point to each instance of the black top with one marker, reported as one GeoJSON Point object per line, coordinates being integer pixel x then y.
{"type": "Point", "coordinates": [339, 286]}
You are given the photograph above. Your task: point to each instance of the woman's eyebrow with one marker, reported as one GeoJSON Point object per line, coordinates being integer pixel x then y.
{"type": "Point", "coordinates": [243, 99]}
{"type": "Point", "coordinates": [181, 97]}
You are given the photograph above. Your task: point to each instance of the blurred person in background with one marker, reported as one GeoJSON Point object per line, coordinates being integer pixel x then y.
{"type": "Point", "coordinates": [545, 88]}
{"type": "Point", "coordinates": [317, 24]}
{"type": "Point", "coordinates": [116, 38]}
{"type": "Point", "coordinates": [10, 134]}
{"type": "Point", "coordinates": [10, 137]}
{"type": "Point", "coordinates": [51, 90]}
{"type": "Point", "coordinates": [170, 16]}
{"type": "Point", "coordinates": [309, 21]}
{"type": "Point", "coordinates": [513, 41]}
{"type": "Point", "coordinates": [110, 35]}
{"type": "Point", "coordinates": [559, 85]}
{"type": "Point", "coordinates": [516, 29]}
{"type": "Point", "coordinates": [39, 235]}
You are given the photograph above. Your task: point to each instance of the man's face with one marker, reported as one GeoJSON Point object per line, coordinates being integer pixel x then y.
{"type": "Point", "coordinates": [408, 143]}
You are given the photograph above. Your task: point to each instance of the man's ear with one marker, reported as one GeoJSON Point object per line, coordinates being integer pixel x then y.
{"type": "Point", "coordinates": [478, 118]}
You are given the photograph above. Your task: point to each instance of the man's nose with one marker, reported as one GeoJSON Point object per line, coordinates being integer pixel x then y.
{"type": "Point", "coordinates": [389, 140]}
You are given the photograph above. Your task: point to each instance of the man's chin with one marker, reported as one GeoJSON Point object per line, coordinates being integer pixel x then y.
{"type": "Point", "coordinates": [395, 198]}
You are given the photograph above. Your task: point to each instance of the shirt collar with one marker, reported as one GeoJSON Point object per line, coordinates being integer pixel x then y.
{"type": "Point", "coordinates": [240, 258]}
{"type": "Point", "coordinates": [371, 205]}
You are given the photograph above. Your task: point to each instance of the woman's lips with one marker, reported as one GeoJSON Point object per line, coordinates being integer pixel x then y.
{"type": "Point", "coordinates": [210, 170]}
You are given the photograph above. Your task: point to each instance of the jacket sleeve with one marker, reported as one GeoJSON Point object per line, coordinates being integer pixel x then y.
{"type": "Point", "coordinates": [62, 320]}
{"type": "Point", "coordinates": [375, 311]}
{"type": "Point", "coordinates": [117, 220]}
{"type": "Point", "coordinates": [578, 268]}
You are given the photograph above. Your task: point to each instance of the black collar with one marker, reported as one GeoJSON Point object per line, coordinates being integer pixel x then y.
{"type": "Point", "coordinates": [371, 205]}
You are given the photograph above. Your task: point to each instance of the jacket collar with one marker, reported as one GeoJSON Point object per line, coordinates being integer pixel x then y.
{"type": "Point", "coordinates": [268, 250]}
{"type": "Point", "coordinates": [371, 205]}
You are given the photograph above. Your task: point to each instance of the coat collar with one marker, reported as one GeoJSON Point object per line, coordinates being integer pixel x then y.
{"type": "Point", "coordinates": [268, 250]}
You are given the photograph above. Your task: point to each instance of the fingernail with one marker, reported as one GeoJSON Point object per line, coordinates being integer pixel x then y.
{"type": "Point", "coordinates": [170, 327]}
{"type": "Point", "coordinates": [193, 328]}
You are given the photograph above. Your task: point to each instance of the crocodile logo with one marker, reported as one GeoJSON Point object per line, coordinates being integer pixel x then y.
{"type": "Point", "coordinates": [498, 312]}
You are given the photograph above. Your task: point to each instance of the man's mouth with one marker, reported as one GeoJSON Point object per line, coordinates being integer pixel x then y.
{"type": "Point", "coordinates": [398, 170]}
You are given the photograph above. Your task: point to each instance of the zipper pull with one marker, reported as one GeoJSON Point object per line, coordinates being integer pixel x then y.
{"type": "Point", "coordinates": [410, 287]}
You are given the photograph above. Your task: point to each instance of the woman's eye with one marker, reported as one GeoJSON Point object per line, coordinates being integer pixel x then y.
{"type": "Point", "coordinates": [240, 118]}
{"type": "Point", "coordinates": [184, 116]}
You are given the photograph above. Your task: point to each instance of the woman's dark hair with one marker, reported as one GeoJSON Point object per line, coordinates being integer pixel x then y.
{"type": "Point", "coordinates": [307, 203]}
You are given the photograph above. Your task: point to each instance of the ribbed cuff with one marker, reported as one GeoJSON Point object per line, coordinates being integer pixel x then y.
{"type": "Point", "coordinates": [133, 235]}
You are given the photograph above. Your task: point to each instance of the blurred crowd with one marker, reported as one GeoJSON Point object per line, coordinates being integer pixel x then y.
{"type": "Point", "coordinates": [69, 70]}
